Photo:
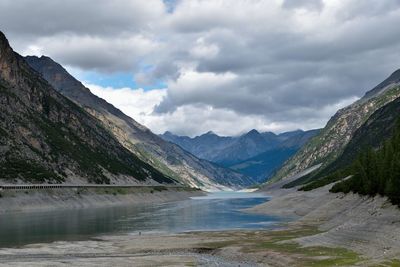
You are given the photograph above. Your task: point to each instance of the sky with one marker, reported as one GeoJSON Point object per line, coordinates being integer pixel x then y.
{"type": "Point", "coordinates": [191, 66]}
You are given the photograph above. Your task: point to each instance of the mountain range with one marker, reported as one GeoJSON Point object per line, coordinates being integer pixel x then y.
{"type": "Point", "coordinates": [254, 154]}
{"type": "Point", "coordinates": [53, 129]}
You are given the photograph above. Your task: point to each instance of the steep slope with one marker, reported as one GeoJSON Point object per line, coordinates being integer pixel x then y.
{"type": "Point", "coordinates": [168, 158]}
{"type": "Point", "coordinates": [254, 154]}
{"type": "Point", "coordinates": [376, 171]}
{"type": "Point", "coordinates": [44, 137]}
{"type": "Point", "coordinates": [372, 134]}
{"type": "Point", "coordinates": [329, 144]}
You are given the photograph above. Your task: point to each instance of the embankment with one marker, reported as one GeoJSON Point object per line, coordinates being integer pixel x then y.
{"type": "Point", "coordinates": [74, 198]}
{"type": "Point", "coordinates": [369, 226]}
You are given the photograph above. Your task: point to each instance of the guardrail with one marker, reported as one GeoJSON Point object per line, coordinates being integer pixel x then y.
{"type": "Point", "coordinates": [52, 186]}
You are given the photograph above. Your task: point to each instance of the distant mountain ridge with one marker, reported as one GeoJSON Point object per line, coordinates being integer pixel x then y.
{"type": "Point", "coordinates": [253, 153]}
{"type": "Point", "coordinates": [168, 158]}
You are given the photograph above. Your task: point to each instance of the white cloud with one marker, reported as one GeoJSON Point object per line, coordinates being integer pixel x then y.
{"type": "Point", "coordinates": [202, 50]}
{"type": "Point", "coordinates": [136, 103]}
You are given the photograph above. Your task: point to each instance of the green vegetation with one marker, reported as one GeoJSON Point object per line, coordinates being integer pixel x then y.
{"type": "Point", "coordinates": [390, 263]}
{"type": "Point", "coordinates": [3, 133]}
{"type": "Point", "coordinates": [331, 178]}
{"type": "Point", "coordinates": [91, 160]}
{"type": "Point", "coordinates": [376, 171]}
{"type": "Point", "coordinates": [17, 168]}
{"type": "Point", "coordinates": [156, 163]}
{"type": "Point", "coordinates": [281, 242]}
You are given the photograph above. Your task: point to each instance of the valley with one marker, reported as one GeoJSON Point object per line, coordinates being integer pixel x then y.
{"type": "Point", "coordinates": [199, 133]}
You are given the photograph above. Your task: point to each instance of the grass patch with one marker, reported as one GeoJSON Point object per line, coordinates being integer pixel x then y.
{"type": "Point", "coordinates": [280, 242]}
{"type": "Point", "coordinates": [315, 256]}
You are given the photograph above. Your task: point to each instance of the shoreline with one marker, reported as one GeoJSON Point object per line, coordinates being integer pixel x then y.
{"type": "Point", "coordinates": [369, 226]}
{"type": "Point", "coordinates": [13, 201]}
{"type": "Point", "coordinates": [329, 229]}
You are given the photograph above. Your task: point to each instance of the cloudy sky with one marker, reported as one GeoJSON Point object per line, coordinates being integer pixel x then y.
{"type": "Point", "coordinates": [190, 66]}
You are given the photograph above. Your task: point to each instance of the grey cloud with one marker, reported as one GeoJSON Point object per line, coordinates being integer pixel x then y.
{"type": "Point", "coordinates": [44, 18]}
{"type": "Point", "coordinates": [311, 4]}
{"type": "Point", "coordinates": [286, 68]}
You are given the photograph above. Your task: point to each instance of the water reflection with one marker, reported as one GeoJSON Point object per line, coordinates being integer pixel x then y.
{"type": "Point", "coordinates": [217, 211]}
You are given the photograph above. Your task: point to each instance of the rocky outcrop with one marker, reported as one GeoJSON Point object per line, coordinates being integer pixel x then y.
{"type": "Point", "coordinates": [166, 157]}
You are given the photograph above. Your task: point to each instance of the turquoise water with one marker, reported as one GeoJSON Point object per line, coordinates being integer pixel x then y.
{"type": "Point", "coordinates": [216, 211]}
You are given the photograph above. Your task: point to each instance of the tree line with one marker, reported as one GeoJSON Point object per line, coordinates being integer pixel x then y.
{"type": "Point", "coordinates": [376, 171]}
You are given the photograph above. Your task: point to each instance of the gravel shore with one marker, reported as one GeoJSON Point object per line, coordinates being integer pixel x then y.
{"type": "Point", "coordinates": [366, 225]}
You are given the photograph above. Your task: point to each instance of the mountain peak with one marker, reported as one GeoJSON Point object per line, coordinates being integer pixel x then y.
{"type": "Point", "coordinates": [3, 41]}
{"type": "Point", "coordinates": [211, 132]}
{"type": "Point", "coordinates": [394, 78]}
{"type": "Point", "coordinates": [253, 133]}
{"type": "Point", "coordinates": [10, 63]}
{"type": "Point", "coordinates": [395, 75]}
{"type": "Point", "coordinates": [42, 58]}
{"type": "Point", "coordinates": [168, 133]}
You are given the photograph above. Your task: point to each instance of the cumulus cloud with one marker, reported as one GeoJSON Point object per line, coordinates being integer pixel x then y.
{"type": "Point", "coordinates": [136, 103]}
{"type": "Point", "coordinates": [269, 64]}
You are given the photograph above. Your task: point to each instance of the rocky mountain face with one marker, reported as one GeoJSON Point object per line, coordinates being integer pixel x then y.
{"type": "Point", "coordinates": [330, 143]}
{"type": "Point", "coordinates": [45, 137]}
{"type": "Point", "coordinates": [254, 154]}
{"type": "Point", "coordinates": [378, 128]}
{"type": "Point", "coordinates": [166, 157]}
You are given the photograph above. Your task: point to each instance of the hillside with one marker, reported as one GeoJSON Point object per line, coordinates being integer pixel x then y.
{"type": "Point", "coordinates": [374, 134]}
{"type": "Point", "coordinates": [168, 158]}
{"type": "Point", "coordinates": [376, 171]}
{"type": "Point", "coordinates": [330, 143]}
{"type": "Point", "coordinates": [45, 137]}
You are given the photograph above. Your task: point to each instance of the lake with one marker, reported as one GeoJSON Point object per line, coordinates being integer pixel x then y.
{"type": "Point", "coordinates": [215, 211]}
